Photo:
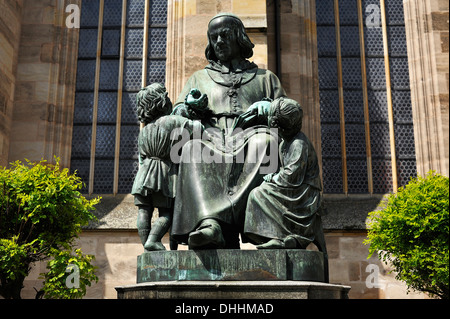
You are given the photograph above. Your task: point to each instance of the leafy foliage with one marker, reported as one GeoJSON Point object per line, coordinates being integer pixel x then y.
{"type": "Point", "coordinates": [68, 275]}
{"type": "Point", "coordinates": [412, 233]}
{"type": "Point", "coordinates": [14, 257]}
{"type": "Point", "coordinates": [41, 213]}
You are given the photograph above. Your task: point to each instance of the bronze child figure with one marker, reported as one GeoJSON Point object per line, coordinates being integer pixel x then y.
{"type": "Point", "coordinates": [283, 211]}
{"type": "Point", "coordinates": [155, 183]}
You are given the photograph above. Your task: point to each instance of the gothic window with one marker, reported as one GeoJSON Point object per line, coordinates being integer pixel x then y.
{"type": "Point", "coordinates": [355, 100]}
{"type": "Point", "coordinates": [107, 83]}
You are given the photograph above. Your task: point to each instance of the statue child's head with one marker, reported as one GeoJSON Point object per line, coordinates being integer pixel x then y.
{"type": "Point", "coordinates": [152, 103]}
{"type": "Point", "coordinates": [286, 115]}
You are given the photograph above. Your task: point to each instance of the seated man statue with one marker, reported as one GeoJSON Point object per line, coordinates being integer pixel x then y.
{"type": "Point", "coordinates": [212, 193]}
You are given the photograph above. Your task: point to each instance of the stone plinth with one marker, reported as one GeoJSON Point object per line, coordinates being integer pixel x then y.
{"type": "Point", "coordinates": [231, 265]}
{"type": "Point", "coordinates": [232, 274]}
{"type": "Point", "coordinates": [286, 289]}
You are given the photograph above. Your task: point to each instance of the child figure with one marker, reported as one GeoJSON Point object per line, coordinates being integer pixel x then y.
{"type": "Point", "coordinates": [283, 211]}
{"type": "Point", "coordinates": [155, 183]}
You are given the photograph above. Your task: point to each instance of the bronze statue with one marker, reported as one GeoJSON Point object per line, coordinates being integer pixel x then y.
{"type": "Point", "coordinates": [155, 183]}
{"type": "Point", "coordinates": [289, 200]}
{"type": "Point", "coordinates": [211, 197]}
{"type": "Point", "coordinates": [230, 182]}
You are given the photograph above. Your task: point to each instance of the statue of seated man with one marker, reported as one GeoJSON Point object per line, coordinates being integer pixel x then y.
{"type": "Point", "coordinates": [209, 209]}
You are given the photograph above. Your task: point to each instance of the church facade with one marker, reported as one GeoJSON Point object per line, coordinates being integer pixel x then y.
{"type": "Point", "coordinates": [371, 76]}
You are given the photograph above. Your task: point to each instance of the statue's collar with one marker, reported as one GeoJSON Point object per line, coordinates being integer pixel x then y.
{"type": "Point", "coordinates": [245, 68]}
{"type": "Point", "coordinates": [222, 68]}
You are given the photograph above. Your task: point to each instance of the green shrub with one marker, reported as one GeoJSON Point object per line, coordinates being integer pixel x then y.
{"type": "Point", "coordinates": [68, 275]}
{"type": "Point", "coordinates": [41, 213]}
{"type": "Point", "coordinates": [412, 234]}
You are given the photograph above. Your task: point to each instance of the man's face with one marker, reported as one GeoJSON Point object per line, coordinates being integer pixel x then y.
{"type": "Point", "coordinates": [223, 40]}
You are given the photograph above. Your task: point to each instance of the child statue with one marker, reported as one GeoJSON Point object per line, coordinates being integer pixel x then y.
{"type": "Point", "coordinates": [155, 183]}
{"type": "Point", "coordinates": [283, 212]}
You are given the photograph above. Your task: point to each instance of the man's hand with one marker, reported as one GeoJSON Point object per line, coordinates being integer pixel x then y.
{"type": "Point", "coordinates": [256, 114]}
{"type": "Point", "coordinates": [197, 100]}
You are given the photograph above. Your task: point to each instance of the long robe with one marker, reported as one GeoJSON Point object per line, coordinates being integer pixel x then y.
{"type": "Point", "coordinates": [220, 190]}
{"type": "Point", "coordinates": [288, 205]}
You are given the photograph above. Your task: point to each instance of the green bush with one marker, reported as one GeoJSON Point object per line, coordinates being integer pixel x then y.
{"type": "Point", "coordinates": [412, 234]}
{"type": "Point", "coordinates": [58, 282]}
{"type": "Point", "coordinates": [41, 213]}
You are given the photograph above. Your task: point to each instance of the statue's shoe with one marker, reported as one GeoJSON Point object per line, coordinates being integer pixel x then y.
{"type": "Point", "coordinates": [154, 246]}
{"type": "Point", "coordinates": [288, 243]}
{"type": "Point", "coordinates": [207, 236]}
{"type": "Point", "coordinates": [272, 244]}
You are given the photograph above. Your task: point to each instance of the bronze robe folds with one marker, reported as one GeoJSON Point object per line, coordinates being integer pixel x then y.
{"type": "Point", "coordinates": [219, 189]}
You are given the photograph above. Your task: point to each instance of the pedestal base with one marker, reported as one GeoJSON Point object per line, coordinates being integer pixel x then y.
{"type": "Point", "coordinates": [233, 290]}
{"type": "Point", "coordinates": [232, 265]}
{"type": "Point", "coordinates": [233, 274]}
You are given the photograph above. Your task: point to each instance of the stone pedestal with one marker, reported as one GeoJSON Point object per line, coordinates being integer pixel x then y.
{"type": "Point", "coordinates": [285, 289]}
{"type": "Point", "coordinates": [231, 265]}
{"type": "Point", "coordinates": [232, 274]}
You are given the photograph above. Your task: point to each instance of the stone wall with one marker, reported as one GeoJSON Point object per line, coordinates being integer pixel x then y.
{"type": "Point", "coordinates": [116, 258]}
{"type": "Point", "coordinates": [45, 83]}
{"type": "Point", "coordinates": [427, 29]}
{"type": "Point", "coordinates": [187, 24]}
{"type": "Point", "coordinates": [10, 27]}
{"type": "Point", "coordinates": [298, 60]}
{"type": "Point", "coordinates": [38, 68]}
{"type": "Point", "coordinates": [114, 241]}
{"type": "Point", "coordinates": [37, 81]}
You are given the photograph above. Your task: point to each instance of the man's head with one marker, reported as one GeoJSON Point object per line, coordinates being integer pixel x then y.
{"type": "Point", "coordinates": [227, 39]}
